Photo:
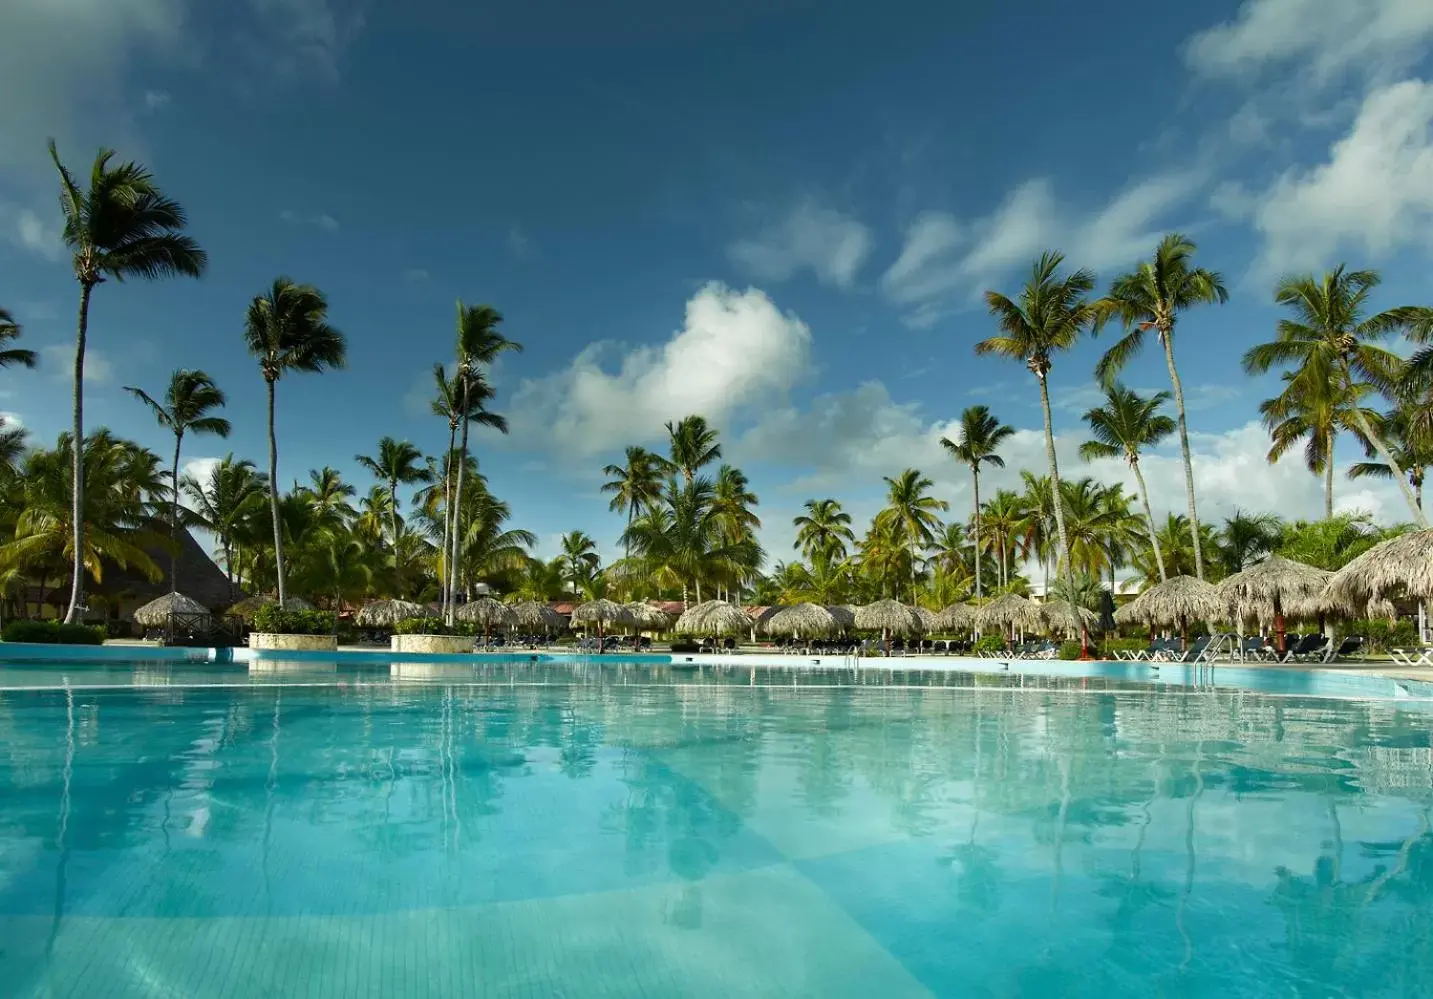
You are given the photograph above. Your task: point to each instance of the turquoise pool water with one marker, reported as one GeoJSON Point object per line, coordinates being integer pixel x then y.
{"type": "Point", "coordinates": [627, 830]}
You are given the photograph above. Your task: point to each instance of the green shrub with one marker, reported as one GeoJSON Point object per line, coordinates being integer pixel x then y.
{"type": "Point", "coordinates": [1110, 646]}
{"type": "Point", "coordinates": [1070, 649]}
{"type": "Point", "coordinates": [423, 626]}
{"type": "Point", "coordinates": [271, 620]}
{"type": "Point", "coordinates": [52, 633]}
{"type": "Point", "coordinates": [1382, 635]}
{"type": "Point", "coordinates": [990, 643]}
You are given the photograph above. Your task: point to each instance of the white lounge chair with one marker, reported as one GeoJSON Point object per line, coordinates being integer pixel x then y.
{"type": "Point", "coordinates": [1413, 657]}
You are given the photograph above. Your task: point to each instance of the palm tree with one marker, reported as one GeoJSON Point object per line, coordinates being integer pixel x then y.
{"type": "Point", "coordinates": [188, 400]}
{"type": "Point", "coordinates": [681, 542]}
{"type": "Point", "coordinates": [10, 332]}
{"type": "Point", "coordinates": [12, 445]}
{"type": "Point", "coordinates": [455, 400]}
{"type": "Point", "coordinates": [981, 434]}
{"type": "Point", "coordinates": [1245, 539]}
{"type": "Point", "coordinates": [1330, 332]}
{"type": "Point", "coordinates": [693, 446]}
{"type": "Point", "coordinates": [1004, 518]}
{"type": "Point", "coordinates": [396, 463]}
{"type": "Point", "coordinates": [823, 529]}
{"type": "Point", "coordinates": [1313, 408]}
{"type": "Point", "coordinates": [122, 226]}
{"type": "Point", "coordinates": [912, 513]}
{"type": "Point", "coordinates": [1151, 298]}
{"type": "Point", "coordinates": [329, 496]}
{"type": "Point", "coordinates": [478, 345]}
{"type": "Point", "coordinates": [635, 486]}
{"type": "Point", "coordinates": [287, 329]}
{"type": "Point", "coordinates": [579, 558]}
{"type": "Point", "coordinates": [1408, 432]}
{"type": "Point", "coordinates": [227, 497]}
{"type": "Point", "coordinates": [1050, 315]}
{"type": "Point", "coordinates": [1127, 424]}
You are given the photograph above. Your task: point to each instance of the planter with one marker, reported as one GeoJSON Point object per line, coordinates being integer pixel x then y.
{"type": "Point", "coordinates": [442, 644]}
{"type": "Point", "coordinates": [293, 643]}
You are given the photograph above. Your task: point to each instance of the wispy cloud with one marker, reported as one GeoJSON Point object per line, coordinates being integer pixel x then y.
{"type": "Point", "coordinates": [520, 244]}
{"type": "Point", "coordinates": [322, 220]}
{"type": "Point", "coordinates": [58, 360]}
{"type": "Point", "coordinates": [812, 238]}
{"type": "Point", "coordinates": [156, 100]}
{"type": "Point", "coordinates": [416, 275]}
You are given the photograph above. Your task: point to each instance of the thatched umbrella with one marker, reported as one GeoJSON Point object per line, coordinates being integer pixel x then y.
{"type": "Point", "coordinates": [535, 614]}
{"type": "Point", "coordinates": [487, 612]}
{"type": "Point", "coordinates": [929, 619]}
{"type": "Point", "coordinates": [158, 612]}
{"type": "Point", "coordinates": [714, 617]}
{"type": "Point", "coordinates": [802, 620]}
{"type": "Point", "coordinates": [601, 613]}
{"type": "Point", "coordinates": [1398, 567]}
{"type": "Point", "coordinates": [1269, 588]}
{"type": "Point", "coordinates": [1008, 613]}
{"type": "Point", "coordinates": [957, 617]}
{"type": "Point", "coordinates": [387, 613]}
{"type": "Point", "coordinates": [845, 616]}
{"type": "Point", "coordinates": [888, 617]}
{"type": "Point", "coordinates": [644, 615]}
{"type": "Point", "coordinates": [1175, 602]}
{"type": "Point", "coordinates": [1059, 614]}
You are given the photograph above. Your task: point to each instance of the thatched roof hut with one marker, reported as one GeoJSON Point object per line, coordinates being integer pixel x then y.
{"type": "Point", "coordinates": [802, 620]}
{"type": "Point", "coordinates": [929, 619]}
{"type": "Point", "coordinates": [1276, 586]}
{"type": "Point", "coordinates": [713, 617]}
{"type": "Point", "coordinates": [387, 613]}
{"type": "Point", "coordinates": [888, 617]}
{"type": "Point", "coordinates": [535, 614]}
{"type": "Point", "coordinates": [1059, 614]}
{"type": "Point", "coordinates": [199, 576]}
{"type": "Point", "coordinates": [487, 612]}
{"type": "Point", "coordinates": [644, 615]}
{"type": "Point", "coordinates": [601, 613]}
{"type": "Point", "coordinates": [957, 617]}
{"type": "Point", "coordinates": [1398, 567]}
{"type": "Point", "coordinates": [1009, 612]}
{"type": "Point", "coordinates": [1174, 602]}
{"type": "Point", "coordinates": [158, 612]}
{"type": "Point", "coordinates": [845, 616]}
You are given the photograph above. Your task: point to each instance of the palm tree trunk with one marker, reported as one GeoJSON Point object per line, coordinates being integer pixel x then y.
{"type": "Point", "coordinates": [458, 507]}
{"type": "Point", "coordinates": [77, 448]}
{"type": "Point", "coordinates": [393, 518]}
{"type": "Point", "coordinates": [174, 519]}
{"type": "Point", "coordinates": [1057, 500]}
{"type": "Point", "coordinates": [1328, 481]}
{"type": "Point", "coordinates": [975, 476]}
{"type": "Point", "coordinates": [274, 499]}
{"type": "Point", "coordinates": [447, 511]}
{"type": "Point", "coordinates": [1168, 342]}
{"type": "Point", "coordinates": [1373, 438]}
{"type": "Point", "coordinates": [1148, 519]}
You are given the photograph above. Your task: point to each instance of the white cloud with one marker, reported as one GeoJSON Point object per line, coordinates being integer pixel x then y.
{"type": "Point", "coordinates": [520, 244]}
{"type": "Point", "coordinates": [1374, 194]}
{"type": "Point", "coordinates": [945, 258]}
{"type": "Point", "coordinates": [1322, 38]}
{"type": "Point", "coordinates": [59, 360]}
{"type": "Point", "coordinates": [322, 220]}
{"type": "Point", "coordinates": [306, 36]}
{"type": "Point", "coordinates": [416, 275]}
{"type": "Point", "coordinates": [198, 469]}
{"type": "Point", "coordinates": [156, 100]}
{"type": "Point", "coordinates": [27, 231]}
{"type": "Point", "coordinates": [9, 419]}
{"type": "Point", "coordinates": [735, 349]}
{"type": "Point", "coordinates": [830, 245]}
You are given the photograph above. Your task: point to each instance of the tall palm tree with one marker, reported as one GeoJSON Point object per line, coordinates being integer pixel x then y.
{"type": "Point", "coordinates": [329, 496]}
{"type": "Point", "coordinates": [396, 463]}
{"type": "Point", "coordinates": [912, 513]}
{"type": "Point", "coordinates": [1004, 518]}
{"type": "Point", "coordinates": [1407, 430]}
{"type": "Point", "coordinates": [1049, 316]}
{"type": "Point", "coordinates": [1123, 427]}
{"type": "Point", "coordinates": [1330, 331]}
{"type": "Point", "coordinates": [1313, 408]}
{"type": "Point", "coordinates": [579, 558]}
{"type": "Point", "coordinates": [634, 486]}
{"type": "Point", "coordinates": [981, 435]}
{"type": "Point", "coordinates": [122, 226]}
{"type": "Point", "coordinates": [9, 333]}
{"type": "Point", "coordinates": [732, 502]}
{"type": "Point", "coordinates": [1246, 538]}
{"type": "Point", "coordinates": [455, 401]}
{"type": "Point", "coordinates": [287, 329]}
{"type": "Point", "coordinates": [12, 445]}
{"type": "Point", "coordinates": [223, 500]}
{"type": "Point", "coordinates": [693, 446]}
{"type": "Point", "coordinates": [479, 343]}
{"type": "Point", "coordinates": [823, 529]}
{"type": "Point", "coordinates": [188, 401]}
{"type": "Point", "coordinates": [1151, 298]}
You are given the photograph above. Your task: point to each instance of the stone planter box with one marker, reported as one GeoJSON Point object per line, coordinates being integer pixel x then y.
{"type": "Point", "coordinates": [293, 643]}
{"type": "Point", "coordinates": [443, 644]}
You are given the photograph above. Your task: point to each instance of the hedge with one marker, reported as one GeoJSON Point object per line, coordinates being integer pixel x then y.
{"type": "Point", "coordinates": [52, 633]}
{"type": "Point", "coordinates": [272, 620]}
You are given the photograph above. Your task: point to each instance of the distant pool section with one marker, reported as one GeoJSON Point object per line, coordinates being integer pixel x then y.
{"type": "Point", "coordinates": [358, 826]}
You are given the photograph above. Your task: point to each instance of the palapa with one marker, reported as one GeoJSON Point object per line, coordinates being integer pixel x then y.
{"type": "Point", "coordinates": [535, 614]}
{"type": "Point", "coordinates": [161, 609]}
{"type": "Point", "coordinates": [1398, 567]}
{"type": "Point", "coordinates": [845, 616]}
{"type": "Point", "coordinates": [929, 619]}
{"type": "Point", "coordinates": [644, 615]}
{"type": "Point", "coordinates": [1009, 612]}
{"type": "Point", "coordinates": [957, 617]}
{"type": "Point", "coordinates": [713, 617]}
{"type": "Point", "coordinates": [1176, 601]}
{"type": "Point", "coordinates": [1273, 587]}
{"type": "Point", "coordinates": [802, 620]}
{"type": "Point", "coordinates": [487, 612]}
{"type": "Point", "coordinates": [888, 617]}
{"type": "Point", "coordinates": [601, 613]}
{"type": "Point", "coordinates": [387, 613]}
{"type": "Point", "coordinates": [1060, 614]}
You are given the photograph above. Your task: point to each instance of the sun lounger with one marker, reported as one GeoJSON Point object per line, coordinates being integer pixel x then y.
{"type": "Point", "coordinates": [1413, 657]}
{"type": "Point", "coordinates": [1347, 649]}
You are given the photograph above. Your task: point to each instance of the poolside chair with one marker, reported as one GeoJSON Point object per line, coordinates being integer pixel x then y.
{"type": "Point", "coordinates": [1252, 649]}
{"type": "Point", "coordinates": [1347, 649]}
{"type": "Point", "coordinates": [1413, 657]}
{"type": "Point", "coordinates": [1195, 652]}
{"type": "Point", "coordinates": [1310, 646]}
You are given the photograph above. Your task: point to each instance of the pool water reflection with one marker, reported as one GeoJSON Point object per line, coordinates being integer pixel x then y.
{"type": "Point", "coordinates": [639, 831]}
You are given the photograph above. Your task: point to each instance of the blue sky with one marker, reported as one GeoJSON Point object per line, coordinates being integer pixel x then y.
{"type": "Point", "coordinates": [780, 214]}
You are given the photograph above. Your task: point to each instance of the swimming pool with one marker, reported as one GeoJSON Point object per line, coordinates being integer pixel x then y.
{"type": "Point", "coordinates": [625, 829]}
